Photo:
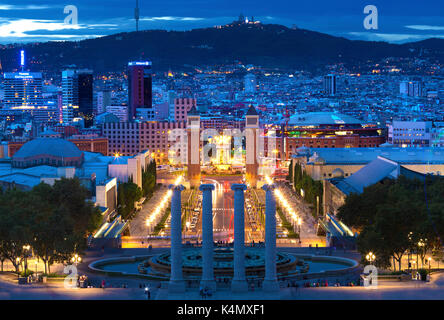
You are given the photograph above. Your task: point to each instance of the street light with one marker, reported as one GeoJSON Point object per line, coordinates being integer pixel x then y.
{"type": "Point", "coordinates": [35, 262]}
{"type": "Point", "coordinates": [17, 260]}
{"type": "Point", "coordinates": [370, 257]}
{"type": "Point", "coordinates": [421, 245]}
{"type": "Point", "coordinates": [76, 259]}
{"type": "Point", "coordinates": [299, 228]}
{"type": "Point", "coordinates": [26, 251]}
{"type": "Point", "coordinates": [430, 260]}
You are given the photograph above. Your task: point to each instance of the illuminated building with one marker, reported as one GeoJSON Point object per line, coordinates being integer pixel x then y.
{"type": "Point", "coordinates": [330, 85]}
{"type": "Point", "coordinates": [23, 90]}
{"type": "Point", "coordinates": [326, 130]}
{"type": "Point", "coordinates": [250, 83]}
{"type": "Point", "coordinates": [103, 100]}
{"type": "Point", "coordinates": [77, 92]}
{"type": "Point", "coordinates": [139, 87]}
{"type": "Point", "coordinates": [181, 108]}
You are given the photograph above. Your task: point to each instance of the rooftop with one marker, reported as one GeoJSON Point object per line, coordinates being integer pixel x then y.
{"type": "Point", "coordinates": [372, 173]}
{"type": "Point", "coordinates": [48, 146]}
{"type": "Point", "coordinates": [319, 118]}
{"type": "Point", "coordinates": [430, 155]}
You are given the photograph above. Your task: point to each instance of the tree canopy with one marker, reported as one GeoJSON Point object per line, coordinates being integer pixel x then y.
{"type": "Point", "coordinates": [53, 220]}
{"type": "Point", "coordinates": [395, 216]}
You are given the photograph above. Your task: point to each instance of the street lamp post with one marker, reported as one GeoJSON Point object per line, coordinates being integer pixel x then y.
{"type": "Point", "coordinates": [370, 257]}
{"type": "Point", "coordinates": [76, 259]}
{"type": "Point", "coordinates": [430, 261]}
{"type": "Point", "coordinates": [25, 253]}
{"type": "Point", "coordinates": [414, 268]}
{"type": "Point", "coordinates": [421, 245]}
{"type": "Point", "coordinates": [299, 229]}
{"type": "Point", "coordinates": [17, 260]}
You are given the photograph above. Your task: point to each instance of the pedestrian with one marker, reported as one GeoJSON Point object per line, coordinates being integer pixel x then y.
{"type": "Point", "coordinates": [103, 284]}
{"type": "Point", "coordinates": [148, 293]}
{"type": "Point", "coordinates": [201, 292]}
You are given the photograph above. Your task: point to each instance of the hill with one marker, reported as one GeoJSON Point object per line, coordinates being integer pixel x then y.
{"type": "Point", "coordinates": [273, 46]}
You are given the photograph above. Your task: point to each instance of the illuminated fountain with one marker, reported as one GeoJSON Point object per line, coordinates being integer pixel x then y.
{"type": "Point", "coordinates": [222, 160]}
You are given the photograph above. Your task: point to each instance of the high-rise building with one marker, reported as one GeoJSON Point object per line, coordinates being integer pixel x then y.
{"type": "Point", "coordinates": [103, 100]}
{"type": "Point", "coordinates": [250, 83]}
{"type": "Point", "coordinates": [23, 90]}
{"type": "Point", "coordinates": [181, 108]}
{"type": "Point", "coordinates": [86, 108]}
{"type": "Point", "coordinates": [139, 87]}
{"type": "Point", "coordinates": [330, 84]}
{"type": "Point", "coordinates": [415, 89]}
{"type": "Point", "coordinates": [404, 88]}
{"type": "Point", "coordinates": [411, 88]}
{"type": "Point", "coordinates": [171, 105]}
{"type": "Point", "coordinates": [120, 112]}
{"type": "Point", "coordinates": [410, 133]}
{"type": "Point", "coordinates": [77, 90]}
{"type": "Point", "coordinates": [69, 95]}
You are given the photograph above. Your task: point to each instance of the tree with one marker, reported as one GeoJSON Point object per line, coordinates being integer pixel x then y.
{"type": "Point", "coordinates": [290, 172]}
{"type": "Point", "coordinates": [15, 213]}
{"type": "Point", "coordinates": [128, 193]}
{"type": "Point", "coordinates": [54, 220]}
{"type": "Point", "coordinates": [395, 215]}
{"type": "Point", "coordinates": [149, 179]}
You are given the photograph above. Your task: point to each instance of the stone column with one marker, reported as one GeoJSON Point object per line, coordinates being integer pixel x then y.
{"type": "Point", "coordinates": [270, 282]}
{"type": "Point", "coordinates": [207, 237]}
{"type": "Point", "coordinates": [176, 284]}
{"type": "Point", "coordinates": [239, 283]}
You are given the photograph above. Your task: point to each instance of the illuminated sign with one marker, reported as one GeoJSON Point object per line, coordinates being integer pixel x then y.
{"type": "Point", "coordinates": [140, 63]}
{"type": "Point", "coordinates": [22, 58]}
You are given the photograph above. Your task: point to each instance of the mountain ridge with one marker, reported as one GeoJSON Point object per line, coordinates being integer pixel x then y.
{"type": "Point", "coordinates": [270, 45]}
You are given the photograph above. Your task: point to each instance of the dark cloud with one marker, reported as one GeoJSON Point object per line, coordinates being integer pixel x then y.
{"type": "Point", "coordinates": [339, 17]}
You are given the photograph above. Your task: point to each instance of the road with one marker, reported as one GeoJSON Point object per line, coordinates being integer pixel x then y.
{"type": "Point", "coordinates": [223, 209]}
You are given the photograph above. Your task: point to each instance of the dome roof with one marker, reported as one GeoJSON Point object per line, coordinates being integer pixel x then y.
{"type": "Point", "coordinates": [315, 158]}
{"type": "Point", "coordinates": [48, 146]}
{"type": "Point", "coordinates": [303, 150]}
{"type": "Point", "coordinates": [321, 118]}
{"type": "Point", "coordinates": [386, 145]}
{"type": "Point", "coordinates": [338, 173]}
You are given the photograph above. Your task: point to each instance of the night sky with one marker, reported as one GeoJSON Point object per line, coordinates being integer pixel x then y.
{"type": "Point", "coordinates": [43, 20]}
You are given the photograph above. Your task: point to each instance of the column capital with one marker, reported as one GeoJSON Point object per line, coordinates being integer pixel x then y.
{"type": "Point", "coordinates": [176, 187]}
{"type": "Point", "coordinates": [268, 187]}
{"type": "Point", "coordinates": [238, 187]}
{"type": "Point", "coordinates": [206, 187]}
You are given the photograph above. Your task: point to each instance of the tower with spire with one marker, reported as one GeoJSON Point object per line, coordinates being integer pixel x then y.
{"type": "Point", "coordinates": [136, 15]}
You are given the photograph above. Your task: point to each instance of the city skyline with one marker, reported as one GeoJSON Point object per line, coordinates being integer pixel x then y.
{"type": "Point", "coordinates": [246, 161]}
{"type": "Point", "coordinates": [399, 21]}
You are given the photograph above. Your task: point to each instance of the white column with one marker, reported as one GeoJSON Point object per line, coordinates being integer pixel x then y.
{"type": "Point", "coordinates": [270, 282]}
{"type": "Point", "coordinates": [207, 237]}
{"type": "Point", "coordinates": [176, 284]}
{"type": "Point", "coordinates": [239, 283]}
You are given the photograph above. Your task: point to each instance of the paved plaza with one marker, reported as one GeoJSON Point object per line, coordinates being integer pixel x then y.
{"type": "Point", "coordinates": [387, 290]}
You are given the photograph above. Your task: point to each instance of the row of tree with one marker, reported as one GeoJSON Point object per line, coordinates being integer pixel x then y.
{"type": "Point", "coordinates": [129, 192]}
{"type": "Point", "coordinates": [397, 217]}
{"type": "Point", "coordinates": [54, 221]}
{"type": "Point", "coordinates": [313, 190]}
{"type": "Point", "coordinates": [149, 179]}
